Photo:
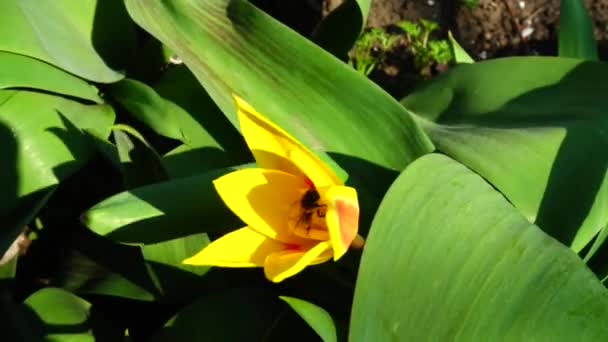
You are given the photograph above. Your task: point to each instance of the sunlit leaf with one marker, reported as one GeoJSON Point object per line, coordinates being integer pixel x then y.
{"type": "Point", "coordinates": [576, 38]}
{"type": "Point", "coordinates": [448, 258]}
{"type": "Point", "coordinates": [64, 316]}
{"type": "Point", "coordinates": [318, 319]}
{"type": "Point", "coordinates": [19, 71]}
{"type": "Point", "coordinates": [232, 47]}
{"type": "Point", "coordinates": [89, 38]}
{"type": "Point", "coordinates": [535, 128]}
{"type": "Point", "coordinates": [162, 211]}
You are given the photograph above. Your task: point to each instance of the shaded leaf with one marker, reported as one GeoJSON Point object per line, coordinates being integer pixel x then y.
{"type": "Point", "coordinates": [147, 106]}
{"type": "Point", "coordinates": [448, 258]}
{"type": "Point", "coordinates": [205, 126]}
{"type": "Point", "coordinates": [339, 30]}
{"type": "Point", "coordinates": [234, 315]}
{"type": "Point", "coordinates": [140, 164]}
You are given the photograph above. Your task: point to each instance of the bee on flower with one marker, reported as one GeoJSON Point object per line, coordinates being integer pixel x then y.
{"type": "Point", "coordinates": [298, 212]}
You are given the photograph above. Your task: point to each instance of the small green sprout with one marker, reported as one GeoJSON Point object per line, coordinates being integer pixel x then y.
{"type": "Point", "coordinates": [370, 50]}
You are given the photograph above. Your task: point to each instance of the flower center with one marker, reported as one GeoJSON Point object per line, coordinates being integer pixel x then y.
{"type": "Point", "coordinates": [307, 217]}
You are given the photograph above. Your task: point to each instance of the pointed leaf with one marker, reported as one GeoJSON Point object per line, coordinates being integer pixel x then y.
{"type": "Point", "coordinates": [339, 30]}
{"type": "Point", "coordinates": [19, 71]}
{"type": "Point", "coordinates": [448, 258]}
{"type": "Point", "coordinates": [88, 38]}
{"type": "Point", "coordinates": [576, 37]}
{"type": "Point", "coordinates": [147, 106]}
{"type": "Point", "coordinates": [232, 47]}
{"type": "Point", "coordinates": [140, 164]}
{"type": "Point", "coordinates": [460, 54]}
{"type": "Point", "coordinates": [162, 211]}
{"type": "Point", "coordinates": [318, 319]}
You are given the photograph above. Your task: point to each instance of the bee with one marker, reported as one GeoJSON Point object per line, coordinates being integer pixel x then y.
{"type": "Point", "coordinates": [309, 207]}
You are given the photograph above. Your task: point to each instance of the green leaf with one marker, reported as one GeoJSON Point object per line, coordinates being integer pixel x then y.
{"type": "Point", "coordinates": [232, 47]}
{"type": "Point", "coordinates": [64, 317]}
{"type": "Point", "coordinates": [47, 143]}
{"type": "Point", "coordinates": [89, 38]}
{"type": "Point", "coordinates": [234, 315]}
{"type": "Point", "coordinates": [448, 258]}
{"type": "Point", "coordinates": [140, 164]}
{"type": "Point", "coordinates": [534, 128]}
{"type": "Point", "coordinates": [19, 71]}
{"type": "Point", "coordinates": [460, 54]}
{"type": "Point", "coordinates": [41, 144]}
{"type": "Point", "coordinates": [147, 106]}
{"type": "Point", "coordinates": [205, 126]}
{"type": "Point", "coordinates": [339, 30]}
{"type": "Point", "coordinates": [177, 281]}
{"type": "Point", "coordinates": [318, 319]}
{"type": "Point", "coordinates": [576, 37]}
{"type": "Point", "coordinates": [162, 211]}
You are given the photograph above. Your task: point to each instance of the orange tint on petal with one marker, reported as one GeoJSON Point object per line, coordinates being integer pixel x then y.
{"type": "Point", "coordinates": [342, 217]}
{"type": "Point", "coordinates": [290, 261]}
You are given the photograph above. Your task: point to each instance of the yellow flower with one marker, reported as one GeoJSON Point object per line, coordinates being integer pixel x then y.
{"type": "Point", "coordinates": [297, 211]}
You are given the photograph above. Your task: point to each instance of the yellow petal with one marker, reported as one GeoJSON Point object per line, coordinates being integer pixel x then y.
{"type": "Point", "coordinates": [342, 217]}
{"type": "Point", "coordinates": [242, 248]}
{"type": "Point", "coordinates": [273, 148]}
{"type": "Point", "coordinates": [288, 262]}
{"type": "Point", "coordinates": [263, 199]}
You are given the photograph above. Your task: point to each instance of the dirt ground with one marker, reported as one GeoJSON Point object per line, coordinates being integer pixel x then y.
{"type": "Point", "coordinates": [493, 27]}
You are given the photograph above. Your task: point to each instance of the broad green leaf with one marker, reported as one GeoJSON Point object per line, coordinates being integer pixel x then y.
{"type": "Point", "coordinates": [162, 211]}
{"type": "Point", "coordinates": [535, 128]}
{"type": "Point", "coordinates": [318, 319]}
{"type": "Point", "coordinates": [43, 140]}
{"type": "Point", "coordinates": [339, 30]}
{"type": "Point", "coordinates": [19, 71]}
{"type": "Point", "coordinates": [64, 317]}
{"type": "Point", "coordinates": [41, 143]}
{"type": "Point", "coordinates": [89, 38]}
{"type": "Point", "coordinates": [448, 258]}
{"type": "Point", "coordinates": [140, 163]}
{"type": "Point", "coordinates": [576, 37]}
{"type": "Point", "coordinates": [147, 106]}
{"type": "Point", "coordinates": [232, 47]}
{"type": "Point", "coordinates": [460, 54]}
